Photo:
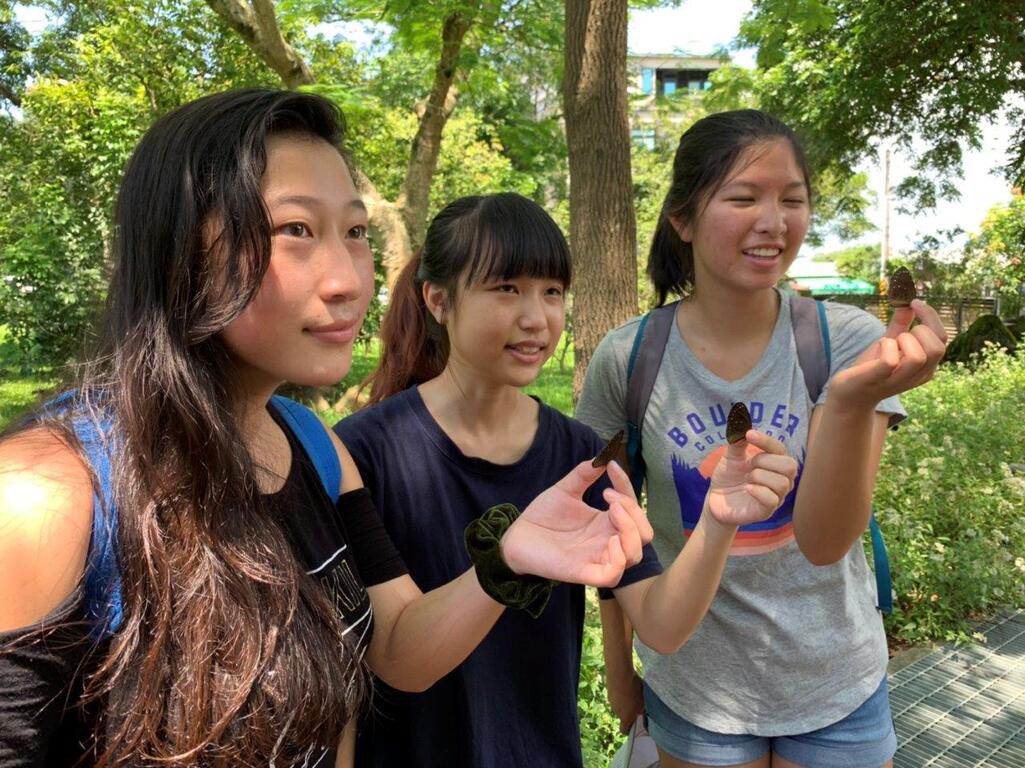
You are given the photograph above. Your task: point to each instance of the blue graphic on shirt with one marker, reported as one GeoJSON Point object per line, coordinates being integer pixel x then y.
{"type": "Point", "coordinates": [705, 432]}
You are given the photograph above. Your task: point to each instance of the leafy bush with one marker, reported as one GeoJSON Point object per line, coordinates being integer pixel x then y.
{"type": "Point", "coordinates": [599, 728]}
{"type": "Point", "coordinates": [950, 504]}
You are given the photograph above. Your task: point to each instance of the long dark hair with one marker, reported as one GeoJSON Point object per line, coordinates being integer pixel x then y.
{"type": "Point", "coordinates": [228, 654]}
{"type": "Point", "coordinates": [479, 237]}
{"type": "Point", "coordinates": [707, 153]}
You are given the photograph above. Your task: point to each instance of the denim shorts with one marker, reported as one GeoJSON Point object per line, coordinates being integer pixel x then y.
{"type": "Point", "coordinates": [863, 739]}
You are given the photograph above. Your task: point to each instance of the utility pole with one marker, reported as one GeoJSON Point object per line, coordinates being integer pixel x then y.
{"type": "Point", "coordinates": [884, 258]}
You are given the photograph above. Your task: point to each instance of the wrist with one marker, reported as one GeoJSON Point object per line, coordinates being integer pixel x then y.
{"type": "Point", "coordinates": [483, 538]}
{"type": "Point", "coordinates": [841, 409]}
{"type": "Point", "coordinates": [713, 529]}
{"type": "Point", "coordinates": [508, 554]}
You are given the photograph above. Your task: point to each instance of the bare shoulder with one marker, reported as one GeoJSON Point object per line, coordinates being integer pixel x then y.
{"type": "Point", "coordinates": [46, 501]}
{"type": "Point", "coordinates": [351, 478]}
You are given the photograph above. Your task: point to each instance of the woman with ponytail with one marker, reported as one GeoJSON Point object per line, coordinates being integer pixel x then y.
{"type": "Point", "coordinates": [191, 572]}
{"type": "Point", "coordinates": [789, 667]}
{"type": "Point", "coordinates": [471, 321]}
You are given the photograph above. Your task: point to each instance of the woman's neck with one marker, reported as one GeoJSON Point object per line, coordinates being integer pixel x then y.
{"type": "Point", "coordinates": [267, 445]}
{"type": "Point", "coordinates": [491, 421]}
{"type": "Point", "coordinates": [725, 316]}
{"type": "Point", "coordinates": [728, 334]}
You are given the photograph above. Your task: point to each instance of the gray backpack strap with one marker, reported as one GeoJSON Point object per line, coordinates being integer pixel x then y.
{"type": "Point", "coordinates": [649, 346]}
{"type": "Point", "coordinates": [641, 372]}
{"type": "Point", "coordinates": [811, 336]}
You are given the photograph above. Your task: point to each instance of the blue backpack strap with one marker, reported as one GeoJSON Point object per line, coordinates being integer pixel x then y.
{"type": "Point", "coordinates": [102, 580]}
{"type": "Point", "coordinates": [881, 561]}
{"type": "Point", "coordinates": [815, 356]}
{"type": "Point", "coordinates": [313, 437]}
{"type": "Point", "coordinates": [641, 372]}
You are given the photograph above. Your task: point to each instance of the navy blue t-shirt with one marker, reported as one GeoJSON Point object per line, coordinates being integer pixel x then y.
{"type": "Point", "coordinates": [513, 702]}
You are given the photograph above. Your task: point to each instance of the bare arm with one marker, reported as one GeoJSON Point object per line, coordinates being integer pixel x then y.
{"type": "Point", "coordinates": [834, 499]}
{"type": "Point", "coordinates": [846, 435]}
{"type": "Point", "coordinates": [45, 525]}
{"type": "Point", "coordinates": [621, 681]}
{"type": "Point", "coordinates": [420, 637]}
{"type": "Point", "coordinates": [749, 484]}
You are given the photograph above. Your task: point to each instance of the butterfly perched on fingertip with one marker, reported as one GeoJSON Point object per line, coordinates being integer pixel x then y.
{"type": "Point", "coordinates": [902, 288]}
{"type": "Point", "coordinates": [738, 422]}
{"type": "Point", "coordinates": [608, 453]}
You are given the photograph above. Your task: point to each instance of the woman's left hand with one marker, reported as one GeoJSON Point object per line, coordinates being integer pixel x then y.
{"type": "Point", "coordinates": [560, 537]}
{"type": "Point", "coordinates": [902, 359]}
{"type": "Point", "coordinates": [751, 480]}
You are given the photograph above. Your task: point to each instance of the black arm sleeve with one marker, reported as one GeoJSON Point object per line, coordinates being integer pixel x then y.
{"type": "Point", "coordinates": [39, 686]}
{"type": "Point", "coordinates": [377, 559]}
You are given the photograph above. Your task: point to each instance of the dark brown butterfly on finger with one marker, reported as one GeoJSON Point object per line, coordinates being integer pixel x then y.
{"type": "Point", "coordinates": [902, 288]}
{"type": "Point", "coordinates": [608, 453]}
{"type": "Point", "coordinates": [737, 423]}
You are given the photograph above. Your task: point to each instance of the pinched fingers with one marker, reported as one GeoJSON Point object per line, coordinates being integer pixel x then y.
{"type": "Point", "coordinates": [900, 321]}
{"type": "Point", "coordinates": [769, 445]}
{"type": "Point", "coordinates": [620, 479]}
{"type": "Point", "coordinates": [629, 503]}
{"type": "Point", "coordinates": [579, 479]}
{"type": "Point", "coordinates": [933, 345]}
{"type": "Point", "coordinates": [765, 496]}
{"type": "Point", "coordinates": [776, 482]}
{"type": "Point", "coordinates": [609, 571]}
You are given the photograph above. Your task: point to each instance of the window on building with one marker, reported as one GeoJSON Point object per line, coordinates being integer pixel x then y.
{"type": "Point", "coordinates": [668, 81]}
{"type": "Point", "coordinates": [644, 137]}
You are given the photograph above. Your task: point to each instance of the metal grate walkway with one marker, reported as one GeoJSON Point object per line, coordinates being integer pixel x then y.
{"type": "Point", "coordinates": [964, 707]}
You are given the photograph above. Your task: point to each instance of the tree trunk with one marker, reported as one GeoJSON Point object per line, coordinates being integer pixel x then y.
{"type": "Point", "coordinates": [414, 199]}
{"type": "Point", "coordinates": [602, 225]}
{"type": "Point", "coordinates": [398, 228]}
{"type": "Point", "coordinates": [387, 229]}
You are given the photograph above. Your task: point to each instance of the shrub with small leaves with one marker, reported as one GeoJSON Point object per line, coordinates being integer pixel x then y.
{"type": "Point", "coordinates": [951, 500]}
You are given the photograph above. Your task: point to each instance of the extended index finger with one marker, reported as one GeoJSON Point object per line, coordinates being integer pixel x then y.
{"type": "Point", "coordinates": [580, 478]}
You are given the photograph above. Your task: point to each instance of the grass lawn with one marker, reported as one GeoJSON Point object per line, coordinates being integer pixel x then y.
{"type": "Point", "coordinates": [18, 394]}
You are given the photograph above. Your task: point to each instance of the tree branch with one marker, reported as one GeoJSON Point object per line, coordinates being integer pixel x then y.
{"type": "Point", "coordinates": [258, 26]}
{"type": "Point", "coordinates": [416, 188]}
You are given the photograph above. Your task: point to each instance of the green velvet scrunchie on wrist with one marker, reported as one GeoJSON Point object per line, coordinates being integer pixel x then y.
{"type": "Point", "coordinates": [483, 535]}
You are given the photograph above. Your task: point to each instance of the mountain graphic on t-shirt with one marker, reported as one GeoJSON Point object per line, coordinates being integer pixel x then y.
{"type": "Point", "coordinates": [692, 485]}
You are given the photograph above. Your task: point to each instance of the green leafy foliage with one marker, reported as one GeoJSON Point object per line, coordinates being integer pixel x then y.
{"type": "Point", "coordinates": [925, 75]}
{"type": "Point", "coordinates": [100, 79]}
{"type": "Point", "coordinates": [599, 728]}
{"type": "Point", "coordinates": [950, 504]}
{"type": "Point", "coordinates": [995, 256]}
{"type": "Point", "coordinates": [860, 261]}
{"type": "Point", "coordinates": [14, 42]}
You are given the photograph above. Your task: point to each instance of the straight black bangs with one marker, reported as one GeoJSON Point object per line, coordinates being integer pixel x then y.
{"type": "Point", "coordinates": [512, 236]}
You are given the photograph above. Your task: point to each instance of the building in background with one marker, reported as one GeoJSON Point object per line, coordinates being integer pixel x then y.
{"type": "Point", "coordinates": [653, 76]}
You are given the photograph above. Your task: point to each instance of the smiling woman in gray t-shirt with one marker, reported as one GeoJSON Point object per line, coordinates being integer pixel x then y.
{"type": "Point", "coordinates": [793, 642]}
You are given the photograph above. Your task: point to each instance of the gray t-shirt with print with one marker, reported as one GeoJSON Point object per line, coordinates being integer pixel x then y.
{"type": "Point", "coordinates": [787, 647]}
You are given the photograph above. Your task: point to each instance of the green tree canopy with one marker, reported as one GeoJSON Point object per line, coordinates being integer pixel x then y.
{"type": "Point", "coordinates": [926, 75]}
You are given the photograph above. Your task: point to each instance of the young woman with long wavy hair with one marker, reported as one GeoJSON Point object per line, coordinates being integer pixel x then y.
{"type": "Point", "coordinates": [236, 597]}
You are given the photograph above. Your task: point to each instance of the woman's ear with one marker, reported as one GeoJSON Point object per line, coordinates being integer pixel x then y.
{"type": "Point", "coordinates": [685, 231]}
{"type": "Point", "coordinates": [435, 299]}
